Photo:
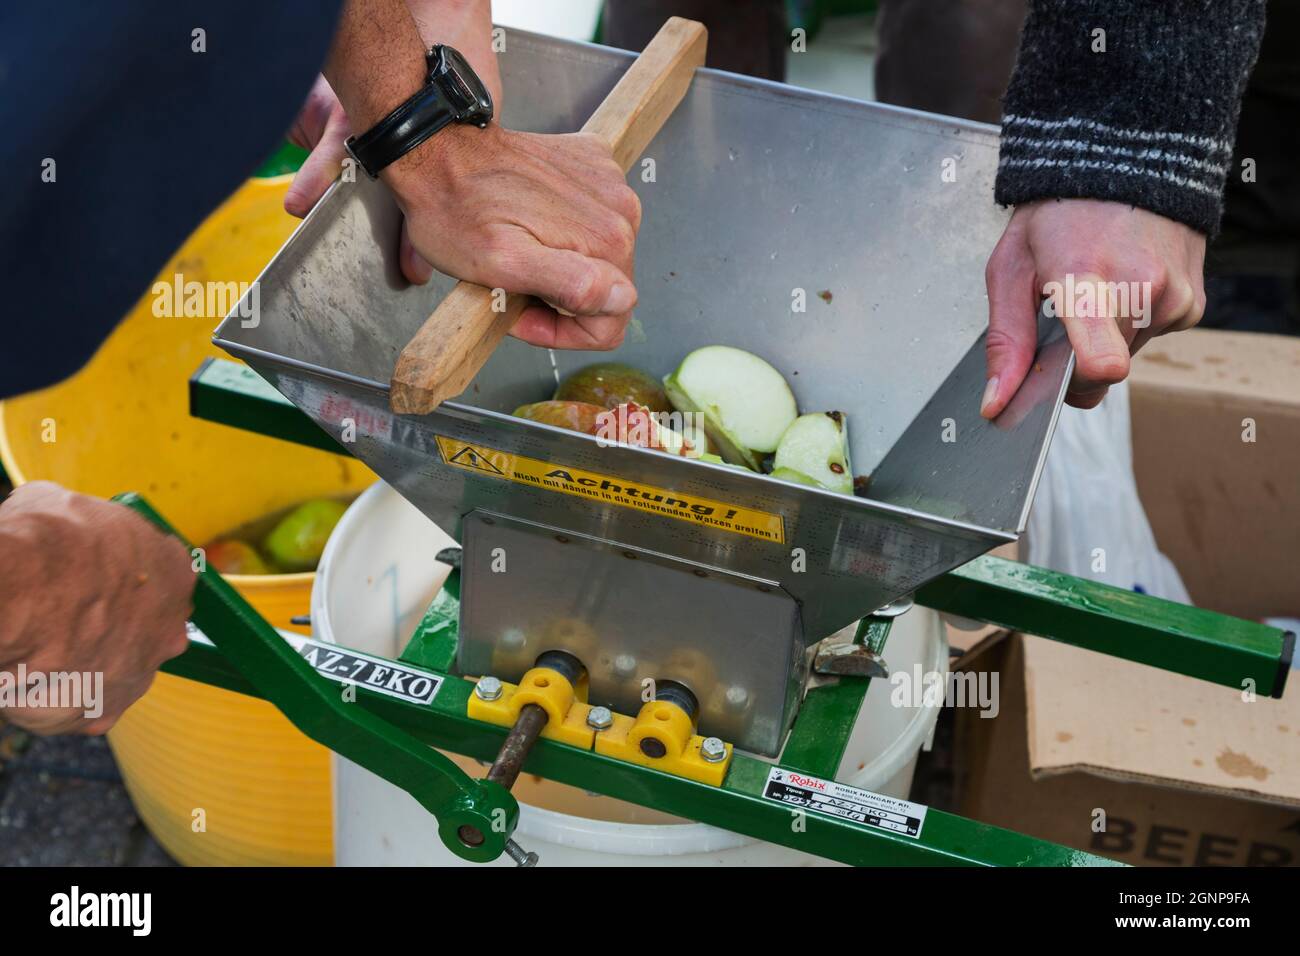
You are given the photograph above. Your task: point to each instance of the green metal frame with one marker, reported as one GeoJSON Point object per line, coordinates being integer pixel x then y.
{"type": "Point", "coordinates": [1136, 627]}
{"type": "Point", "coordinates": [249, 656]}
{"type": "Point", "coordinates": [392, 737]}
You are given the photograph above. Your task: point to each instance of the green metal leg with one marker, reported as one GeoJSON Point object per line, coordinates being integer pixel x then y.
{"type": "Point", "coordinates": [1136, 627]}
{"type": "Point", "coordinates": [251, 657]}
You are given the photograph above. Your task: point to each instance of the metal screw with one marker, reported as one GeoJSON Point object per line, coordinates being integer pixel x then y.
{"type": "Point", "coordinates": [713, 750]}
{"type": "Point", "coordinates": [737, 697]}
{"type": "Point", "coordinates": [487, 688]}
{"type": "Point", "coordinates": [521, 856]}
{"type": "Point", "coordinates": [895, 608]}
{"type": "Point", "coordinates": [599, 718]}
{"type": "Point", "coordinates": [625, 665]}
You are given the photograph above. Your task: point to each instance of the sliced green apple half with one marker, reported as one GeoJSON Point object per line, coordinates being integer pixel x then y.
{"type": "Point", "coordinates": [815, 451]}
{"type": "Point", "coordinates": [746, 403]}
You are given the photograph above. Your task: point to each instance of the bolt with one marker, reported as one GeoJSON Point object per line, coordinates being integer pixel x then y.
{"type": "Point", "coordinates": [737, 697]}
{"type": "Point", "coordinates": [521, 856]}
{"type": "Point", "coordinates": [487, 688]}
{"type": "Point", "coordinates": [625, 665]}
{"type": "Point", "coordinates": [713, 750]}
{"type": "Point", "coordinates": [600, 718]}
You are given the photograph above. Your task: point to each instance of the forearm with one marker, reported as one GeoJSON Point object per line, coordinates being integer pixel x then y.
{"type": "Point", "coordinates": [465, 25]}
{"type": "Point", "coordinates": [377, 60]}
{"type": "Point", "coordinates": [378, 57]}
{"type": "Point", "coordinates": [1143, 113]}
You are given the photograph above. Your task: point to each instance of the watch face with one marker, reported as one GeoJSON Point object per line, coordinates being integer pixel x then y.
{"type": "Point", "coordinates": [468, 96]}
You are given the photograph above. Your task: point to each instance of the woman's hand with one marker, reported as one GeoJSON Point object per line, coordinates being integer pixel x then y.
{"type": "Point", "coordinates": [1116, 276]}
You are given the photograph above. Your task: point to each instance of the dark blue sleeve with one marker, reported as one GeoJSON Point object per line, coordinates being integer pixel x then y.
{"type": "Point", "coordinates": [147, 136]}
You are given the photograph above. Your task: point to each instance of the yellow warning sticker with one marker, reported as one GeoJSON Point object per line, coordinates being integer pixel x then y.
{"type": "Point", "coordinates": [606, 489]}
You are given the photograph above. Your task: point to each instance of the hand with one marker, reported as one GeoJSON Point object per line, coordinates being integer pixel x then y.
{"type": "Point", "coordinates": [322, 125]}
{"type": "Point", "coordinates": [548, 216]}
{"type": "Point", "coordinates": [1116, 276]}
{"type": "Point", "coordinates": [87, 586]}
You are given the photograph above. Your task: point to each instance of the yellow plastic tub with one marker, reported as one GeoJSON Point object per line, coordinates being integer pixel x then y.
{"type": "Point", "coordinates": [218, 778]}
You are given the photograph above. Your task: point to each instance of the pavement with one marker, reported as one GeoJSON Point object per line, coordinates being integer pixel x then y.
{"type": "Point", "coordinates": [62, 803]}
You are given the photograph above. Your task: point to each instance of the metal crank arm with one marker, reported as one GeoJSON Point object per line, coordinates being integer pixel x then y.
{"type": "Point", "coordinates": [475, 817]}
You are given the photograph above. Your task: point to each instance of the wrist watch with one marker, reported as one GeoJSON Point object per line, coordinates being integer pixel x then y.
{"type": "Point", "coordinates": [452, 93]}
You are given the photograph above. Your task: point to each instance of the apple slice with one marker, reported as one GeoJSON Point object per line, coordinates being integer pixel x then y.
{"type": "Point", "coordinates": [633, 424]}
{"type": "Point", "coordinates": [745, 402]}
{"type": "Point", "coordinates": [717, 460]}
{"type": "Point", "coordinates": [814, 451]}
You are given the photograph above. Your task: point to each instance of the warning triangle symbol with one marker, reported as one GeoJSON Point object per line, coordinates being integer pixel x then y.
{"type": "Point", "coordinates": [467, 457]}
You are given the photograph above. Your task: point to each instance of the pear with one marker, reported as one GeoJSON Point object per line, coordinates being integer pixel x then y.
{"type": "Point", "coordinates": [814, 451]}
{"type": "Point", "coordinates": [746, 404]}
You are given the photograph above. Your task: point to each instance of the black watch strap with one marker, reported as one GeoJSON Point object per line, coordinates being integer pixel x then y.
{"type": "Point", "coordinates": [451, 94]}
{"type": "Point", "coordinates": [402, 130]}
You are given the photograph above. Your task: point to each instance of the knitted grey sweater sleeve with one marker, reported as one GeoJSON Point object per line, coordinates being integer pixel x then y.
{"type": "Point", "coordinates": [1150, 121]}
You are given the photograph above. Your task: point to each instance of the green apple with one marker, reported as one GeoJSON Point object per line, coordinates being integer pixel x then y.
{"type": "Point", "coordinates": [297, 542]}
{"type": "Point", "coordinates": [814, 451]}
{"type": "Point", "coordinates": [717, 460]}
{"type": "Point", "coordinates": [610, 384]}
{"type": "Point", "coordinates": [746, 404]}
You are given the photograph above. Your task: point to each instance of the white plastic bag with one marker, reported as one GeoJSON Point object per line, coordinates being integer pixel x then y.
{"type": "Point", "coordinates": [1087, 519]}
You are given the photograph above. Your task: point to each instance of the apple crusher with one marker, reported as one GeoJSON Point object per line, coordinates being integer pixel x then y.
{"type": "Point", "coordinates": [631, 568]}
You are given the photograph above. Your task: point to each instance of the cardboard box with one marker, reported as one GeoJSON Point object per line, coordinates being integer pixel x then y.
{"type": "Point", "coordinates": [1225, 510]}
{"type": "Point", "coordinates": [1139, 764]}
{"type": "Point", "coordinates": [1147, 821]}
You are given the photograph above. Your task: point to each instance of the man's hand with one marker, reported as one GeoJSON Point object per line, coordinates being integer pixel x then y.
{"type": "Point", "coordinates": [87, 586]}
{"type": "Point", "coordinates": [322, 125]}
{"type": "Point", "coordinates": [1116, 275]}
{"type": "Point", "coordinates": [548, 216]}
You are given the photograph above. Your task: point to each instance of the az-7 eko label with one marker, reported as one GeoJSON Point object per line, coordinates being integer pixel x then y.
{"type": "Point", "coordinates": [608, 489]}
{"type": "Point", "coordinates": [373, 673]}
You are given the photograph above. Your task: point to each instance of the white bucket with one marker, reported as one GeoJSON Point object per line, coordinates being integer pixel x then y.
{"type": "Point", "coordinates": [376, 579]}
